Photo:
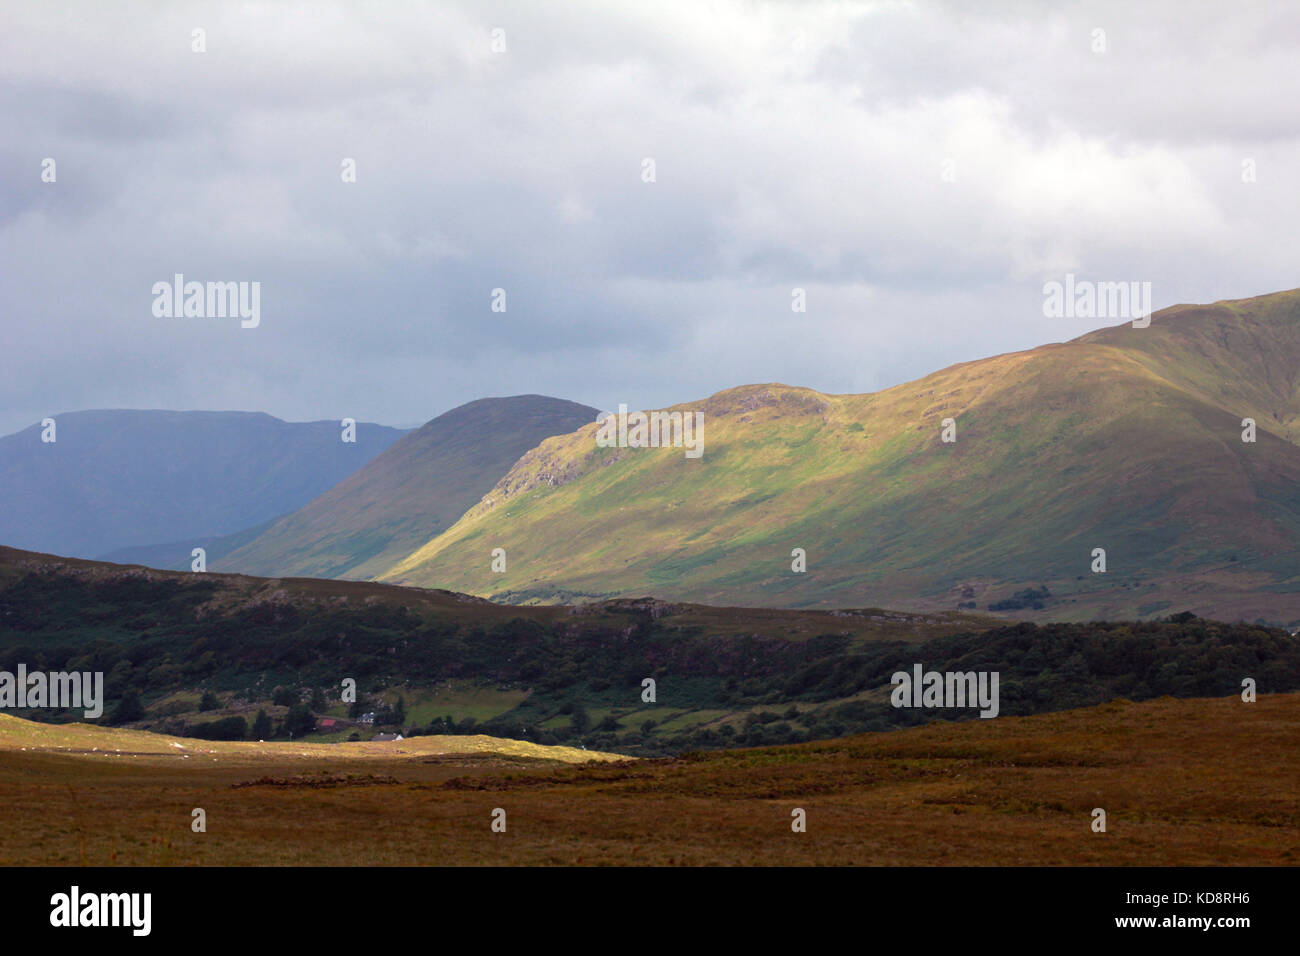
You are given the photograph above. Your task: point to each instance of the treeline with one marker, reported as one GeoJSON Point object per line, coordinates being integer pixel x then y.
{"type": "Point", "coordinates": [150, 639]}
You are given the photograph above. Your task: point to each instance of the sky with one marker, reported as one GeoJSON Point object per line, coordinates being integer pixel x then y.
{"type": "Point", "coordinates": [919, 170]}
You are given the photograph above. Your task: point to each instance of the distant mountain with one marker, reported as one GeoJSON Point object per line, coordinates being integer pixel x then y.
{"type": "Point", "coordinates": [413, 491]}
{"type": "Point", "coordinates": [125, 478]}
{"type": "Point", "coordinates": [1126, 439]}
{"type": "Point", "coordinates": [177, 555]}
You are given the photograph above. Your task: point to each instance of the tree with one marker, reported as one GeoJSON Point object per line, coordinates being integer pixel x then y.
{"type": "Point", "coordinates": [399, 711]}
{"type": "Point", "coordinates": [318, 700]}
{"type": "Point", "coordinates": [284, 696]}
{"type": "Point", "coordinates": [208, 701]}
{"type": "Point", "coordinates": [227, 728]}
{"type": "Point", "coordinates": [580, 721]}
{"type": "Point", "coordinates": [300, 720]}
{"type": "Point", "coordinates": [262, 727]}
{"type": "Point", "coordinates": [128, 709]}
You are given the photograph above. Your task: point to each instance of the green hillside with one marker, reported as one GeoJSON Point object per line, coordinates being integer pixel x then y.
{"type": "Point", "coordinates": [1125, 439]}
{"type": "Point", "coordinates": [413, 491]}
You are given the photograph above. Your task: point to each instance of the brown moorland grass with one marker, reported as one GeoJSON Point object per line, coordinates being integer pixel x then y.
{"type": "Point", "coordinates": [1183, 782]}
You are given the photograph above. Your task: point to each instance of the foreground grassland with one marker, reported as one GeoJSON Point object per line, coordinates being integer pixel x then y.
{"type": "Point", "coordinates": [1193, 781]}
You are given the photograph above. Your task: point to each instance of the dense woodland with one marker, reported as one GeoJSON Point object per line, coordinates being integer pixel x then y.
{"type": "Point", "coordinates": [152, 637]}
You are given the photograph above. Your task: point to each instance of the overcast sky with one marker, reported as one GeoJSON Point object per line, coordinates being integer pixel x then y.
{"type": "Point", "coordinates": [798, 145]}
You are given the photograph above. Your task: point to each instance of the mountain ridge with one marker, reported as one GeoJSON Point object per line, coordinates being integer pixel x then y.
{"type": "Point", "coordinates": [1091, 437]}
{"type": "Point", "coordinates": [416, 488]}
{"type": "Point", "coordinates": [124, 478]}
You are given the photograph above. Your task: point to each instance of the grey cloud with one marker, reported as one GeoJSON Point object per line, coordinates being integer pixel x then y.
{"type": "Point", "coordinates": [796, 144]}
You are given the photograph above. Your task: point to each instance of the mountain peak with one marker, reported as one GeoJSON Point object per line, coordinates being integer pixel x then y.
{"type": "Point", "coordinates": [412, 492]}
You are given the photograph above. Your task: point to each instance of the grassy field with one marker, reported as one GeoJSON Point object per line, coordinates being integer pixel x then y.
{"type": "Point", "coordinates": [24, 736]}
{"type": "Point", "coordinates": [459, 699]}
{"type": "Point", "coordinates": [1183, 782]}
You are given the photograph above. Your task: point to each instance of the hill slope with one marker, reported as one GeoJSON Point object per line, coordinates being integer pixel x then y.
{"type": "Point", "coordinates": [1125, 439]}
{"type": "Point", "coordinates": [176, 555]}
{"type": "Point", "coordinates": [413, 491]}
{"type": "Point", "coordinates": [576, 675]}
{"type": "Point", "coordinates": [116, 479]}
{"type": "Point", "coordinates": [80, 739]}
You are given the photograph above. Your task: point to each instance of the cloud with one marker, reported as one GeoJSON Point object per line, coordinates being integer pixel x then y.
{"type": "Point", "coordinates": [920, 169]}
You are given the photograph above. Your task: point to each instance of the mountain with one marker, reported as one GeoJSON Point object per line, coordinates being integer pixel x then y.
{"type": "Point", "coordinates": [1125, 439]}
{"type": "Point", "coordinates": [176, 555]}
{"type": "Point", "coordinates": [125, 478]}
{"type": "Point", "coordinates": [413, 491]}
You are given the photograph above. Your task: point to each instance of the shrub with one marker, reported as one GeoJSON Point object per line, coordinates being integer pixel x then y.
{"type": "Point", "coordinates": [284, 696]}
{"type": "Point", "coordinates": [128, 709]}
{"type": "Point", "coordinates": [227, 728]}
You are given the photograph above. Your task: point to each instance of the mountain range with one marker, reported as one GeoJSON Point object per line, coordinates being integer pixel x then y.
{"type": "Point", "coordinates": [1128, 440]}
{"type": "Point", "coordinates": [117, 479]}
{"type": "Point", "coordinates": [1108, 476]}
